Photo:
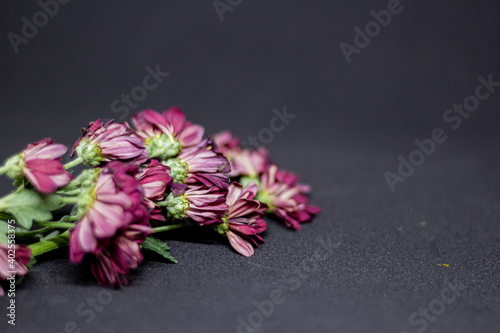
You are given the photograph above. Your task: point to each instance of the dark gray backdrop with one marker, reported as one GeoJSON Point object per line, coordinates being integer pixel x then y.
{"type": "Point", "coordinates": [391, 253]}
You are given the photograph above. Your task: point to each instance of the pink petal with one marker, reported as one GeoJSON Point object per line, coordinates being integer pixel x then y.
{"type": "Point", "coordinates": [239, 244]}
{"type": "Point", "coordinates": [49, 167]}
{"type": "Point", "coordinates": [233, 193]}
{"type": "Point", "coordinates": [42, 182]}
{"type": "Point", "coordinates": [191, 135]}
{"type": "Point", "coordinates": [84, 236]}
{"type": "Point", "coordinates": [175, 118]}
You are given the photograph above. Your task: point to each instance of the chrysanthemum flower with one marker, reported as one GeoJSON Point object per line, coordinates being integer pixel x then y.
{"type": "Point", "coordinates": [200, 165]}
{"type": "Point", "coordinates": [166, 134]}
{"type": "Point", "coordinates": [244, 219]}
{"type": "Point", "coordinates": [115, 257]}
{"type": "Point", "coordinates": [201, 204]}
{"type": "Point", "coordinates": [109, 142]}
{"type": "Point", "coordinates": [227, 143]}
{"type": "Point", "coordinates": [115, 222]}
{"type": "Point", "coordinates": [40, 163]}
{"type": "Point", "coordinates": [12, 267]}
{"type": "Point", "coordinates": [285, 197]}
{"type": "Point", "coordinates": [244, 162]}
{"type": "Point", "coordinates": [250, 163]}
{"type": "Point", "coordinates": [154, 178]}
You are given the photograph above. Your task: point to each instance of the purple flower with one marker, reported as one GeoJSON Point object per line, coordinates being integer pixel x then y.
{"type": "Point", "coordinates": [114, 204]}
{"type": "Point", "coordinates": [204, 205]}
{"type": "Point", "coordinates": [200, 165]}
{"type": "Point", "coordinates": [249, 163]}
{"type": "Point", "coordinates": [244, 162]}
{"type": "Point", "coordinates": [40, 163]}
{"type": "Point", "coordinates": [227, 143]}
{"type": "Point", "coordinates": [244, 218]}
{"type": "Point", "coordinates": [285, 197]}
{"type": "Point", "coordinates": [109, 142]}
{"type": "Point", "coordinates": [17, 264]}
{"type": "Point", "coordinates": [115, 257]}
{"type": "Point", "coordinates": [166, 134]}
{"type": "Point", "coordinates": [154, 178]}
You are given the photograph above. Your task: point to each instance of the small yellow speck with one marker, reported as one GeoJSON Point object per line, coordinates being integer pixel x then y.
{"type": "Point", "coordinates": [423, 224]}
{"type": "Point", "coordinates": [445, 265]}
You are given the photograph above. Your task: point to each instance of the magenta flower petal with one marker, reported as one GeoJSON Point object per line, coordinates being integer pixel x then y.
{"type": "Point", "coordinates": [239, 244]}
{"type": "Point", "coordinates": [154, 178]}
{"type": "Point", "coordinates": [109, 142]}
{"type": "Point", "coordinates": [201, 165]}
{"type": "Point", "coordinates": [286, 197]}
{"type": "Point", "coordinates": [175, 118]}
{"type": "Point", "coordinates": [40, 163]}
{"type": "Point", "coordinates": [244, 218]}
{"type": "Point", "coordinates": [114, 226]}
{"type": "Point", "coordinates": [150, 126]}
{"type": "Point", "coordinates": [22, 258]}
{"type": "Point", "coordinates": [20, 262]}
{"type": "Point", "coordinates": [191, 135]}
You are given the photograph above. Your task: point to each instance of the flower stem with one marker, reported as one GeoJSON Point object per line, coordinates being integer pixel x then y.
{"type": "Point", "coordinates": [49, 245]}
{"type": "Point", "coordinates": [64, 225]}
{"type": "Point", "coordinates": [69, 200]}
{"type": "Point", "coordinates": [173, 226]}
{"type": "Point", "coordinates": [73, 163]}
{"type": "Point", "coordinates": [33, 232]}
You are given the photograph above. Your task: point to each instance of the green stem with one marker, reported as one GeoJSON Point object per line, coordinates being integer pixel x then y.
{"type": "Point", "coordinates": [73, 163]}
{"type": "Point", "coordinates": [64, 225]}
{"type": "Point", "coordinates": [173, 226]}
{"type": "Point", "coordinates": [49, 245]}
{"type": "Point", "coordinates": [33, 232]}
{"type": "Point", "coordinates": [69, 200]}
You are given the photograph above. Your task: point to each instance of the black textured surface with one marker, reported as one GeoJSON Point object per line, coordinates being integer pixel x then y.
{"type": "Point", "coordinates": [353, 120]}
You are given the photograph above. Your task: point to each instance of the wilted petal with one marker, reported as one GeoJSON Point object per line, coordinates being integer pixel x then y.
{"type": "Point", "coordinates": [239, 244]}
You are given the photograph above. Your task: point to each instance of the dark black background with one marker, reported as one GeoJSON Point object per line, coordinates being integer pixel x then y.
{"type": "Point", "coordinates": [353, 120]}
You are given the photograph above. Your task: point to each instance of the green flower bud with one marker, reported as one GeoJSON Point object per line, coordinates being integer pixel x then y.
{"type": "Point", "coordinates": [13, 167]}
{"type": "Point", "coordinates": [178, 169]}
{"type": "Point", "coordinates": [90, 153]}
{"type": "Point", "coordinates": [176, 206]}
{"type": "Point", "coordinates": [163, 147]}
{"type": "Point", "coordinates": [87, 184]}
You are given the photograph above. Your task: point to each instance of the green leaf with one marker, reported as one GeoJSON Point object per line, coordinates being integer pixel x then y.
{"type": "Point", "coordinates": [28, 205]}
{"type": "Point", "coordinates": [3, 232]}
{"type": "Point", "coordinates": [53, 234]}
{"type": "Point", "coordinates": [32, 262]}
{"type": "Point", "coordinates": [158, 246]}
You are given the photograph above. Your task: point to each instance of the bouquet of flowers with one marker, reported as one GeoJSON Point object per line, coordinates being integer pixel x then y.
{"type": "Point", "coordinates": [160, 174]}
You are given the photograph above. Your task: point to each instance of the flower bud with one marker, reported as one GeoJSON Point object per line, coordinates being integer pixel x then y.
{"type": "Point", "coordinates": [178, 169]}
{"type": "Point", "coordinates": [162, 147]}
{"type": "Point", "coordinates": [176, 206]}
{"type": "Point", "coordinates": [89, 152]}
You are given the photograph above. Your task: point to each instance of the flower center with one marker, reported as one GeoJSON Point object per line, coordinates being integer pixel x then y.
{"type": "Point", "coordinates": [265, 197]}
{"type": "Point", "coordinates": [162, 146]}
{"type": "Point", "coordinates": [245, 180]}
